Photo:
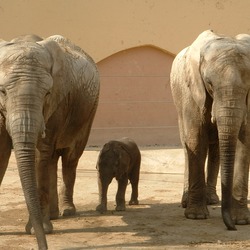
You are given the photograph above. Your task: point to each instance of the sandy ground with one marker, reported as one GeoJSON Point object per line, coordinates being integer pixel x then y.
{"type": "Point", "coordinates": [157, 223]}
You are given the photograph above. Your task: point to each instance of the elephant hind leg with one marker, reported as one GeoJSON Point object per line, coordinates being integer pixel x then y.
{"type": "Point", "coordinates": [103, 183]}
{"type": "Point", "coordinates": [212, 173]}
{"type": "Point", "coordinates": [70, 160]}
{"type": "Point", "coordinates": [134, 180]}
{"type": "Point", "coordinates": [120, 195]}
{"type": "Point", "coordinates": [53, 194]}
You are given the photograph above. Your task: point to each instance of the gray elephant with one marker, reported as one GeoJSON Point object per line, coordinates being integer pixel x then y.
{"type": "Point", "coordinates": [212, 172]}
{"type": "Point", "coordinates": [120, 159]}
{"type": "Point", "coordinates": [49, 92]}
{"type": "Point", "coordinates": [210, 82]}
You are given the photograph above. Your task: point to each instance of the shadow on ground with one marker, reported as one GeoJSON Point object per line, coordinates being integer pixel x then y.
{"type": "Point", "coordinates": [156, 225]}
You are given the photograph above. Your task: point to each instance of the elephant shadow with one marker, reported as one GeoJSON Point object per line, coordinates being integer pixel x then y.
{"type": "Point", "coordinates": [157, 225]}
{"type": "Point", "coordinates": [151, 224]}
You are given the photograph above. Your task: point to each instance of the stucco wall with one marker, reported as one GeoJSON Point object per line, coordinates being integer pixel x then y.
{"type": "Point", "coordinates": [135, 99]}
{"type": "Point", "coordinates": [103, 28]}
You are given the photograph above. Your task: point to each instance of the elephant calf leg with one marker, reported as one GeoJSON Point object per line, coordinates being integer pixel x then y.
{"type": "Point", "coordinates": [103, 188]}
{"type": "Point", "coordinates": [120, 205]}
{"type": "Point", "coordinates": [133, 201]}
{"type": "Point", "coordinates": [120, 196]}
{"type": "Point", "coordinates": [102, 208]}
{"type": "Point", "coordinates": [134, 195]}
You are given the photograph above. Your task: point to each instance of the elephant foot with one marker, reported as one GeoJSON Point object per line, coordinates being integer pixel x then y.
{"type": "Point", "coordinates": [240, 213]}
{"type": "Point", "coordinates": [196, 212]}
{"type": "Point", "coordinates": [101, 208]}
{"type": "Point", "coordinates": [212, 198]}
{"type": "Point", "coordinates": [133, 202]}
{"type": "Point", "coordinates": [47, 226]}
{"type": "Point", "coordinates": [120, 207]}
{"type": "Point", "coordinates": [68, 210]}
{"type": "Point", "coordinates": [54, 214]}
{"type": "Point", "coordinates": [184, 199]}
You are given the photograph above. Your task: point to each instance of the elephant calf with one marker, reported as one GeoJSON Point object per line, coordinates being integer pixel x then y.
{"type": "Point", "coordinates": [120, 159]}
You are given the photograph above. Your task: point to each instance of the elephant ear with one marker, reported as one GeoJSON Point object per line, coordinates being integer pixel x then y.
{"type": "Point", "coordinates": [125, 148]}
{"type": "Point", "coordinates": [102, 155]}
{"type": "Point", "coordinates": [127, 151]}
{"type": "Point", "coordinates": [121, 167]}
{"type": "Point", "coordinates": [60, 76]}
{"type": "Point", "coordinates": [3, 42]}
{"type": "Point", "coordinates": [245, 39]}
{"type": "Point", "coordinates": [193, 57]}
{"type": "Point", "coordinates": [194, 80]}
{"type": "Point", "coordinates": [106, 147]}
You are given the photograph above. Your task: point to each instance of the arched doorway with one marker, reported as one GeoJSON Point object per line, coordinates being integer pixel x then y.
{"type": "Point", "coordinates": [135, 99]}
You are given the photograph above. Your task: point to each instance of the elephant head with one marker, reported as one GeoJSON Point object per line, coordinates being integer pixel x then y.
{"type": "Point", "coordinates": [31, 74]}
{"type": "Point", "coordinates": [222, 69]}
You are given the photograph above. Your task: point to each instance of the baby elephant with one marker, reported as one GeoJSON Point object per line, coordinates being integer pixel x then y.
{"type": "Point", "coordinates": [120, 159]}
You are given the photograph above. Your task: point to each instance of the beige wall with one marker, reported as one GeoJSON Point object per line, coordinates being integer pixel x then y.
{"type": "Point", "coordinates": [135, 99]}
{"type": "Point", "coordinates": [104, 27]}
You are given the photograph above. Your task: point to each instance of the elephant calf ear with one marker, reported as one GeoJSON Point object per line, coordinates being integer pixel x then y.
{"type": "Point", "coordinates": [106, 147]}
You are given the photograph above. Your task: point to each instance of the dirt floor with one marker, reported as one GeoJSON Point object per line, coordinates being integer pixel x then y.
{"type": "Point", "coordinates": [157, 223]}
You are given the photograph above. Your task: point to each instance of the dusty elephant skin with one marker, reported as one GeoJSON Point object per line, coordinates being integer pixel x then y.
{"type": "Point", "coordinates": [49, 93]}
{"type": "Point", "coordinates": [120, 159]}
{"type": "Point", "coordinates": [210, 82]}
{"type": "Point", "coordinates": [212, 172]}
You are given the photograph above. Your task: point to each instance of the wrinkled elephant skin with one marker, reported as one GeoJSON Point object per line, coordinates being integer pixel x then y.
{"type": "Point", "coordinates": [120, 159]}
{"type": "Point", "coordinates": [210, 83]}
{"type": "Point", "coordinates": [49, 90]}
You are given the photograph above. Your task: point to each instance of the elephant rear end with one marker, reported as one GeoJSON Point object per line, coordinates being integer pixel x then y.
{"type": "Point", "coordinates": [120, 159]}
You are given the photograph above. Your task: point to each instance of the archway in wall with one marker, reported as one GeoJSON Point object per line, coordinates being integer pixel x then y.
{"type": "Point", "coordinates": [135, 99]}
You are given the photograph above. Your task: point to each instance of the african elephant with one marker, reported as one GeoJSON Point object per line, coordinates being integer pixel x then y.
{"type": "Point", "coordinates": [120, 159]}
{"type": "Point", "coordinates": [210, 83]}
{"type": "Point", "coordinates": [212, 172]}
{"type": "Point", "coordinates": [49, 92]}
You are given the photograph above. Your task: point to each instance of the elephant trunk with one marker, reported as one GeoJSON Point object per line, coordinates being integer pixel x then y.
{"type": "Point", "coordinates": [229, 123]}
{"type": "Point", "coordinates": [24, 129]}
